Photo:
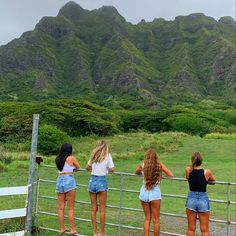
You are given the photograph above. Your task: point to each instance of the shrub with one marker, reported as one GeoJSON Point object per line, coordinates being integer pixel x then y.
{"type": "Point", "coordinates": [50, 139]}
{"type": "Point", "coordinates": [15, 126]}
{"type": "Point", "coordinates": [2, 167]}
{"type": "Point", "coordinates": [76, 118]}
{"type": "Point", "coordinates": [16, 165]}
{"type": "Point", "coordinates": [189, 123]}
{"type": "Point", "coordinates": [144, 120]}
{"type": "Point", "coordinates": [6, 159]}
{"type": "Point", "coordinates": [12, 224]}
{"type": "Point", "coordinates": [221, 136]}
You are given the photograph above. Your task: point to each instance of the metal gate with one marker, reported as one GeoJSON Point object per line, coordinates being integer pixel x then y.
{"type": "Point", "coordinates": [121, 193]}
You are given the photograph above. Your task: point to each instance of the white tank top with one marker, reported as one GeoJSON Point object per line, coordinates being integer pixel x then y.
{"type": "Point", "coordinates": [67, 168]}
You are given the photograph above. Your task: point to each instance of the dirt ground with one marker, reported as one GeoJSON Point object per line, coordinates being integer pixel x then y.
{"type": "Point", "coordinates": [179, 226]}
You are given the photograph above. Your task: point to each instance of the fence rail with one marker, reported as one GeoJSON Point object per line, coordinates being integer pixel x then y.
{"type": "Point", "coordinates": [121, 208]}
{"type": "Point", "coordinates": [14, 213]}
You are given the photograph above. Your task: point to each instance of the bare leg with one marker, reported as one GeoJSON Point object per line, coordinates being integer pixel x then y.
{"type": "Point", "coordinates": [147, 212]}
{"type": "Point", "coordinates": [102, 202]}
{"type": "Point", "coordinates": [94, 209]}
{"type": "Point", "coordinates": [155, 210]}
{"type": "Point", "coordinates": [192, 217]}
{"type": "Point", "coordinates": [70, 196]}
{"type": "Point", "coordinates": [204, 222]}
{"type": "Point", "coordinates": [61, 207]}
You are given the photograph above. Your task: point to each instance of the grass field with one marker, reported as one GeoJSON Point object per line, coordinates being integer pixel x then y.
{"type": "Point", "coordinates": [175, 150]}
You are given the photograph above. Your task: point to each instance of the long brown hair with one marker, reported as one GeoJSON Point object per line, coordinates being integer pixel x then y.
{"type": "Point", "coordinates": [196, 159]}
{"type": "Point", "coordinates": [152, 169]}
{"type": "Point", "coordinates": [100, 152]}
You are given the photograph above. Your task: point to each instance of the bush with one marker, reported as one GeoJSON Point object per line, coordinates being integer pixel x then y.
{"type": "Point", "coordinates": [16, 165]}
{"type": "Point", "coordinates": [220, 136]}
{"type": "Point", "coordinates": [144, 120]}
{"type": "Point", "coordinates": [189, 123]}
{"type": "Point", "coordinates": [2, 167]}
{"type": "Point", "coordinates": [50, 139]}
{"type": "Point", "coordinates": [15, 126]}
{"type": "Point", "coordinates": [76, 118]}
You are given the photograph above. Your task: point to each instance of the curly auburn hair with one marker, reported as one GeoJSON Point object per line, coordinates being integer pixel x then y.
{"type": "Point", "coordinates": [152, 169]}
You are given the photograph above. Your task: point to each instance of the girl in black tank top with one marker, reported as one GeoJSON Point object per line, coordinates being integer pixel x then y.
{"type": "Point", "coordinates": [197, 202]}
{"type": "Point", "coordinates": [197, 181]}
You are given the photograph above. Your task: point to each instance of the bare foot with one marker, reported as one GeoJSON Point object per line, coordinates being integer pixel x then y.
{"type": "Point", "coordinates": [62, 231]}
{"type": "Point", "coordinates": [73, 233]}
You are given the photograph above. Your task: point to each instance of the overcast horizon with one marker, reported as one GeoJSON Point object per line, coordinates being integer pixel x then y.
{"type": "Point", "coordinates": [19, 17]}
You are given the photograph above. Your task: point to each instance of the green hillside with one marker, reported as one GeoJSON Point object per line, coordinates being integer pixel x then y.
{"type": "Point", "coordinates": [174, 149]}
{"type": "Point", "coordinates": [96, 55]}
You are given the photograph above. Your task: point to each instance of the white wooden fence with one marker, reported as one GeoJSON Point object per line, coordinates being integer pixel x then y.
{"type": "Point", "coordinates": [14, 213]}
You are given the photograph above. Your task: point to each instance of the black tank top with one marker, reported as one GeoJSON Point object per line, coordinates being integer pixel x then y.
{"type": "Point", "coordinates": [197, 181]}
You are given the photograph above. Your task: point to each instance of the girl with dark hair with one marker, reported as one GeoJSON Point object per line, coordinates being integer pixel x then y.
{"type": "Point", "coordinates": [197, 200]}
{"type": "Point", "coordinates": [150, 194]}
{"type": "Point", "coordinates": [99, 164]}
{"type": "Point", "coordinates": [66, 186]}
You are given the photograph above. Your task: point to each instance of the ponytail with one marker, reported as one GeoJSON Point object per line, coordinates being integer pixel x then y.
{"type": "Point", "coordinates": [196, 159]}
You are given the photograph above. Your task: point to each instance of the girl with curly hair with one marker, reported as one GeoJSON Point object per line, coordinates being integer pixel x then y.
{"type": "Point", "coordinates": [150, 194]}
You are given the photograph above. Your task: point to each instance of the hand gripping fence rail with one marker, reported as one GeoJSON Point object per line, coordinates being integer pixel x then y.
{"type": "Point", "coordinates": [119, 207]}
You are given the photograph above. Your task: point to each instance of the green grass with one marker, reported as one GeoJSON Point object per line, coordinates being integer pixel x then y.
{"type": "Point", "coordinates": [175, 150]}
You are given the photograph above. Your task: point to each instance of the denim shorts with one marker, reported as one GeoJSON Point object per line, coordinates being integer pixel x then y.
{"type": "Point", "coordinates": [65, 183]}
{"type": "Point", "coordinates": [198, 202]}
{"type": "Point", "coordinates": [97, 184]}
{"type": "Point", "coordinates": [150, 195]}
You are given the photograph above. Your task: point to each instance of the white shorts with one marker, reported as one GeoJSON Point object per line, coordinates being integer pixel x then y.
{"type": "Point", "coordinates": [150, 195]}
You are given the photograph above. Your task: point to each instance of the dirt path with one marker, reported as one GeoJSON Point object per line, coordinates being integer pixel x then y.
{"type": "Point", "coordinates": [179, 226]}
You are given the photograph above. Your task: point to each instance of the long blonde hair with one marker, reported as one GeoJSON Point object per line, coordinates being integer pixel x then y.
{"type": "Point", "coordinates": [100, 152]}
{"type": "Point", "coordinates": [152, 169]}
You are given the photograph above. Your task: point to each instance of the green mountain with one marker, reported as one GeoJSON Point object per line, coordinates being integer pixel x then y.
{"type": "Point", "coordinates": [97, 55]}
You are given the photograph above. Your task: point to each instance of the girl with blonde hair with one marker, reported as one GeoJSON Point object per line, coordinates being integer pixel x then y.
{"type": "Point", "coordinates": [150, 194]}
{"type": "Point", "coordinates": [99, 164]}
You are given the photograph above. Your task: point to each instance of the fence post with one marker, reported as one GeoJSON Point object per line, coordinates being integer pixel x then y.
{"type": "Point", "coordinates": [37, 196]}
{"type": "Point", "coordinates": [228, 208]}
{"type": "Point", "coordinates": [28, 224]}
{"type": "Point", "coordinates": [121, 204]}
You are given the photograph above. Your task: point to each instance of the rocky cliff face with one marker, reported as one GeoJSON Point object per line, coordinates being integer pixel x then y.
{"type": "Point", "coordinates": [81, 53]}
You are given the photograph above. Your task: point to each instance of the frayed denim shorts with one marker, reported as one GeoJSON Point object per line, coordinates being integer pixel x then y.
{"type": "Point", "coordinates": [65, 183]}
{"type": "Point", "coordinates": [198, 202]}
{"type": "Point", "coordinates": [150, 195]}
{"type": "Point", "coordinates": [97, 184]}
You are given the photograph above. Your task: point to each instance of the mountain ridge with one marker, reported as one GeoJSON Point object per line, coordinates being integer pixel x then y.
{"type": "Point", "coordinates": [97, 54]}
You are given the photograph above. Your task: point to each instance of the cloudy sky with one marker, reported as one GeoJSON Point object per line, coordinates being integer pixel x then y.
{"type": "Point", "coordinates": [18, 16]}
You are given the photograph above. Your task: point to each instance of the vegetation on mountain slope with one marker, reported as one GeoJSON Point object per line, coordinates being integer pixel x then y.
{"type": "Point", "coordinates": [94, 55]}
